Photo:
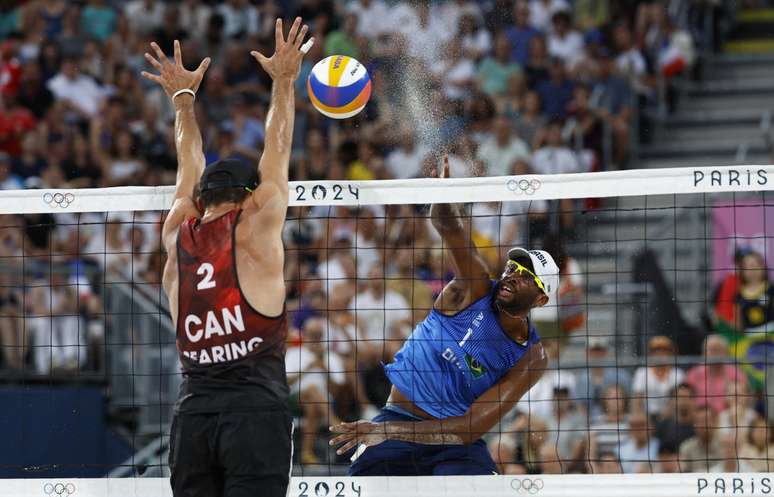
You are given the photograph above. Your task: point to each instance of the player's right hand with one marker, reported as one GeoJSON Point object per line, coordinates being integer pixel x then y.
{"type": "Point", "coordinates": [172, 75]}
{"type": "Point", "coordinates": [288, 54]}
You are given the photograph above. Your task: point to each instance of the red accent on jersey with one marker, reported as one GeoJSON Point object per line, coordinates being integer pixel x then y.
{"type": "Point", "coordinates": [215, 323]}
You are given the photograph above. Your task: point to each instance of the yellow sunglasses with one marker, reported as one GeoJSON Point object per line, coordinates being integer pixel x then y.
{"type": "Point", "coordinates": [512, 266]}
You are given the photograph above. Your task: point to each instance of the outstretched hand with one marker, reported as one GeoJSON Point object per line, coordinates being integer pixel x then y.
{"type": "Point", "coordinates": [288, 53]}
{"type": "Point", "coordinates": [362, 432]}
{"type": "Point", "coordinates": [172, 75]}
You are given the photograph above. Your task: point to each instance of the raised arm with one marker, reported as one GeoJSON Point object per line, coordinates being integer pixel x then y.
{"type": "Point", "coordinates": [173, 78]}
{"type": "Point", "coordinates": [471, 275]}
{"type": "Point", "coordinates": [481, 417]}
{"type": "Point", "coordinates": [283, 67]}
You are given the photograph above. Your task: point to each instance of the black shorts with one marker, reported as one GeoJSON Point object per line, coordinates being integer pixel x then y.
{"type": "Point", "coordinates": [234, 454]}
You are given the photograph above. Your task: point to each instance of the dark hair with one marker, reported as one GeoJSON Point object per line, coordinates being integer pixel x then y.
{"type": "Point", "coordinates": [217, 196]}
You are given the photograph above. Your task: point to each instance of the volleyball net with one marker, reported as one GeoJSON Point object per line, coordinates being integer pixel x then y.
{"type": "Point", "coordinates": [659, 336]}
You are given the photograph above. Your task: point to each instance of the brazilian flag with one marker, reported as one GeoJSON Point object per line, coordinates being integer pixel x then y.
{"type": "Point", "coordinates": [476, 368]}
{"type": "Point", "coordinates": [754, 351]}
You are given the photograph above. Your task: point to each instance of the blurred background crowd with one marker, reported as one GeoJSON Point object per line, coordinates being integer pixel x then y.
{"type": "Point", "coordinates": [505, 87]}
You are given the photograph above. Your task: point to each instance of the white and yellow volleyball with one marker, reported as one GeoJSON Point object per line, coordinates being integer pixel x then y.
{"type": "Point", "coordinates": [339, 86]}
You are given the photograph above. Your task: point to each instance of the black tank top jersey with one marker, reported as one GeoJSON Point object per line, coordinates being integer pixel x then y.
{"type": "Point", "coordinates": [232, 356]}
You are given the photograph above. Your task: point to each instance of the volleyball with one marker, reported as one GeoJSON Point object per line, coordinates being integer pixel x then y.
{"type": "Point", "coordinates": [339, 86]}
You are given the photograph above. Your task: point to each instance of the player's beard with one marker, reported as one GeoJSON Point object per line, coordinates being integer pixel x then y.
{"type": "Point", "coordinates": [520, 302]}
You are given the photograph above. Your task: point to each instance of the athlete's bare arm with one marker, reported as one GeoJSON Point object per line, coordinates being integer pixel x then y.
{"type": "Point", "coordinates": [190, 154]}
{"type": "Point", "coordinates": [260, 253]}
{"type": "Point", "coordinates": [481, 417]}
{"type": "Point", "coordinates": [471, 275]}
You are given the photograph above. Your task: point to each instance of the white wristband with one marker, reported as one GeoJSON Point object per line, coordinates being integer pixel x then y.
{"type": "Point", "coordinates": [184, 90]}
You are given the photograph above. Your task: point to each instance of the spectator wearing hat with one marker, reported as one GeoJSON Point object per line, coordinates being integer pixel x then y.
{"type": "Point", "coordinates": [652, 384]}
{"type": "Point", "coordinates": [567, 428]}
{"type": "Point", "coordinates": [594, 381]}
{"type": "Point", "coordinates": [711, 377]}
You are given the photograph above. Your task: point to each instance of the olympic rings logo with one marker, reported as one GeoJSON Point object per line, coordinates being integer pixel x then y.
{"type": "Point", "coordinates": [527, 485]}
{"type": "Point", "coordinates": [63, 200]}
{"type": "Point", "coordinates": [524, 186]}
{"type": "Point", "coordinates": [59, 489]}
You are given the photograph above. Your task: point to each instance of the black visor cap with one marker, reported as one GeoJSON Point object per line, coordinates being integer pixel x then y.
{"type": "Point", "coordinates": [229, 173]}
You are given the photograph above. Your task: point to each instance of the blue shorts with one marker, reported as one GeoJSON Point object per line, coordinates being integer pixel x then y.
{"type": "Point", "coordinates": [397, 458]}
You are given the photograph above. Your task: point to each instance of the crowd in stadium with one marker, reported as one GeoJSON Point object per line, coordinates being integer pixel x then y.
{"type": "Point", "coordinates": [541, 86]}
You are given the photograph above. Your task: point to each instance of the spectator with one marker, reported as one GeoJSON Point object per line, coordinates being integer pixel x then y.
{"type": "Point", "coordinates": [144, 16]}
{"type": "Point", "coordinates": [639, 449]}
{"type": "Point", "coordinates": [455, 72]}
{"type": "Point", "coordinates": [755, 300]}
{"type": "Point", "coordinates": [476, 41]}
{"type": "Point", "coordinates": [612, 94]}
{"type": "Point", "coordinates": [314, 375]}
{"type": "Point", "coordinates": [195, 14]}
{"type": "Point", "coordinates": [555, 91]}
{"type": "Point", "coordinates": [739, 414]}
{"type": "Point", "coordinates": [630, 62]}
{"type": "Point", "coordinates": [521, 34]}
{"type": "Point", "coordinates": [371, 17]}
{"type": "Point", "coordinates": [730, 462]}
{"type": "Point", "coordinates": [608, 464]}
{"type": "Point", "coordinates": [405, 160]}
{"type": "Point", "coordinates": [609, 426]}
{"type": "Point", "coordinates": [379, 313]}
{"type": "Point", "coordinates": [518, 449]}
{"type": "Point", "coordinates": [567, 428]}
{"type": "Point", "coordinates": [542, 11]}
{"type": "Point", "coordinates": [79, 92]}
{"type": "Point", "coordinates": [757, 450]}
{"type": "Point", "coordinates": [240, 18]}
{"type": "Point", "coordinates": [538, 62]}
{"type": "Point", "coordinates": [344, 41]}
{"type": "Point", "coordinates": [494, 71]}
{"type": "Point", "coordinates": [530, 123]}
{"type": "Point", "coordinates": [594, 381]}
{"type": "Point", "coordinates": [675, 424]}
{"type": "Point", "coordinates": [710, 378]}
{"type": "Point", "coordinates": [98, 20]}
{"type": "Point", "coordinates": [651, 384]}
{"type": "Point", "coordinates": [564, 42]}
{"type": "Point", "coordinates": [702, 451]}
{"type": "Point", "coordinates": [8, 180]}
{"type": "Point", "coordinates": [668, 461]}
{"type": "Point", "coordinates": [502, 149]}
{"type": "Point", "coordinates": [540, 400]}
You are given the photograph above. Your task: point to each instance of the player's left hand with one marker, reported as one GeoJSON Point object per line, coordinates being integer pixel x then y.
{"type": "Point", "coordinates": [360, 432]}
{"type": "Point", "coordinates": [286, 61]}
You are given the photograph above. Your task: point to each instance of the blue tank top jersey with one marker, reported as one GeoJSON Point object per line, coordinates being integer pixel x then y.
{"type": "Point", "coordinates": [450, 361]}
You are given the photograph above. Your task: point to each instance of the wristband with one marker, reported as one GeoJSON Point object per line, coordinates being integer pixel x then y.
{"type": "Point", "coordinates": [184, 90]}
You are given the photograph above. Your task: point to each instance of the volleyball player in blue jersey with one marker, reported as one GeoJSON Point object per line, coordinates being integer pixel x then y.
{"type": "Point", "coordinates": [463, 368]}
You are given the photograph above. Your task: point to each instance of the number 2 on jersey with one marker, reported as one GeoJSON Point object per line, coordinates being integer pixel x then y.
{"type": "Point", "coordinates": [207, 270]}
